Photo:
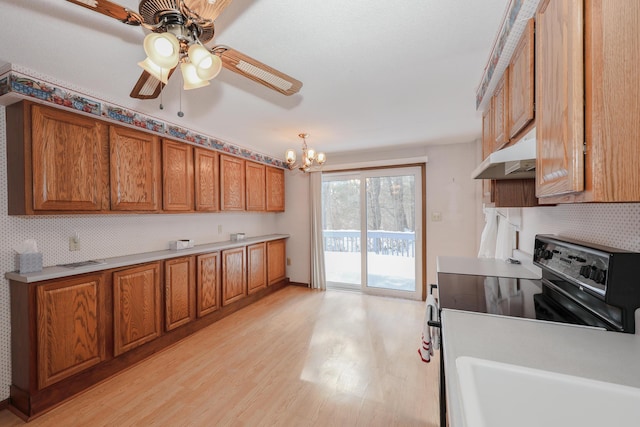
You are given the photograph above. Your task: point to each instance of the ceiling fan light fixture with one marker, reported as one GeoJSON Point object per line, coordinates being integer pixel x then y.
{"type": "Point", "coordinates": [207, 65]}
{"type": "Point", "coordinates": [190, 77]}
{"type": "Point", "coordinates": [163, 49]}
{"type": "Point", "coordinates": [155, 70]}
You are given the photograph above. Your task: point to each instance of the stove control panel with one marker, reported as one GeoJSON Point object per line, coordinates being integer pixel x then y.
{"type": "Point", "coordinates": [583, 266]}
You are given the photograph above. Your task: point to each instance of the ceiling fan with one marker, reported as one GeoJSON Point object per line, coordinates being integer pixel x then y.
{"type": "Point", "coordinates": [180, 28]}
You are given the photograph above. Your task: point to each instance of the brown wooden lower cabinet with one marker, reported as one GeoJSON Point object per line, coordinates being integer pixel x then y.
{"type": "Point", "coordinates": [276, 261]}
{"type": "Point", "coordinates": [179, 292]}
{"type": "Point", "coordinates": [256, 267]}
{"type": "Point", "coordinates": [71, 333]}
{"type": "Point", "coordinates": [234, 278]}
{"type": "Point", "coordinates": [136, 307]}
{"type": "Point", "coordinates": [70, 327]}
{"type": "Point", "coordinates": [208, 283]}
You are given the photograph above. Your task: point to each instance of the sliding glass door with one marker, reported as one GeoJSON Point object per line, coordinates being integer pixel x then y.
{"type": "Point", "coordinates": [372, 231]}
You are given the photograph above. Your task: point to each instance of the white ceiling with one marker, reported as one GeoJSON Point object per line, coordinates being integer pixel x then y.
{"type": "Point", "coordinates": [376, 73]}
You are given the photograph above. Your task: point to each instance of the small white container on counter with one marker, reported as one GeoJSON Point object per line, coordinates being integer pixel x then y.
{"type": "Point", "coordinates": [237, 236]}
{"type": "Point", "coordinates": [176, 245]}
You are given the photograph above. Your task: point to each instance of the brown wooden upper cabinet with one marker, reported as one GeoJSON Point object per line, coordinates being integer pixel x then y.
{"type": "Point", "coordinates": [521, 80]}
{"type": "Point", "coordinates": [57, 161]}
{"type": "Point", "coordinates": [135, 170]}
{"type": "Point", "coordinates": [70, 327]}
{"type": "Point", "coordinates": [179, 291]}
{"type": "Point", "coordinates": [177, 176]}
{"type": "Point", "coordinates": [136, 307]}
{"type": "Point", "coordinates": [274, 189]}
{"type": "Point", "coordinates": [500, 108]}
{"type": "Point", "coordinates": [255, 186]}
{"type": "Point", "coordinates": [276, 261]}
{"type": "Point", "coordinates": [587, 127]}
{"type": "Point", "coordinates": [232, 183]}
{"type": "Point", "coordinates": [207, 181]}
{"type": "Point", "coordinates": [487, 148]}
{"type": "Point", "coordinates": [234, 276]}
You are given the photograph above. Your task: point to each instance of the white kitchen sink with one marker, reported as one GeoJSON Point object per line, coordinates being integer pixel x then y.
{"type": "Point", "coordinates": [497, 394]}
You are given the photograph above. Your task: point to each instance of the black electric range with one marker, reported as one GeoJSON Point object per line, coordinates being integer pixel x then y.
{"type": "Point", "coordinates": [581, 284]}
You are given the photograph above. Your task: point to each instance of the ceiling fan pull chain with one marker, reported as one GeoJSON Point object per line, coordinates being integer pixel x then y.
{"type": "Point", "coordinates": [180, 113]}
{"type": "Point", "coordinates": [161, 88]}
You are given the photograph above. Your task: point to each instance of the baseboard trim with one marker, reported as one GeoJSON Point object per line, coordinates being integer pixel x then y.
{"type": "Point", "coordinates": [4, 404]}
{"type": "Point", "coordinates": [304, 285]}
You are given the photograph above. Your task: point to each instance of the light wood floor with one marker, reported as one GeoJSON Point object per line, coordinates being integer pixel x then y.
{"type": "Point", "coordinates": [296, 358]}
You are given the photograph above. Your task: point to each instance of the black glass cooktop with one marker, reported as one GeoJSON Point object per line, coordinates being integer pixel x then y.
{"type": "Point", "coordinates": [485, 294]}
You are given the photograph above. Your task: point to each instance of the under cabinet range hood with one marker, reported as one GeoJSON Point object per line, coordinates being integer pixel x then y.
{"type": "Point", "coordinates": [515, 162]}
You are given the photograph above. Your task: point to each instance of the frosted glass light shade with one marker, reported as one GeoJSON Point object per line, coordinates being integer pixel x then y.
{"type": "Point", "coordinates": [155, 70]}
{"type": "Point", "coordinates": [190, 77]}
{"type": "Point", "coordinates": [321, 158]}
{"type": "Point", "coordinates": [163, 49]}
{"type": "Point", "coordinates": [207, 65]}
{"type": "Point", "coordinates": [311, 154]}
{"type": "Point", "coordinates": [290, 156]}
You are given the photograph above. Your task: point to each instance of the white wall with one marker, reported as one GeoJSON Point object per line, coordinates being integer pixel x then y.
{"type": "Point", "coordinates": [616, 224]}
{"type": "Point", "coordinates": [104, 236]}
{"type": "Point", "coordinates": [452, 193]}
{"type": "Point", "coordinates": [295, 221]}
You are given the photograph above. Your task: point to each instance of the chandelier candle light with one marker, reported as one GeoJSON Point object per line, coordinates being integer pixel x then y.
{"type": "Point", "coordinates": [309, 156]}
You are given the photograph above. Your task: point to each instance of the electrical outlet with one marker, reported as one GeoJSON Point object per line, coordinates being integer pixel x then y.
{"type": "Point", "coordinates": [220, 229]}
{"type": "Point", "coordinates": [436, 216]}
{"type": "Point", "coordinates": [74, 242]}
{"type": "Point", "coordinates": [288, 261]}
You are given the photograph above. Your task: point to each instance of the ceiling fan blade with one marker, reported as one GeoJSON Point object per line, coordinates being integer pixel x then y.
{"type": "Point", "coordinates": [110, 9]}
{"type": "Point", "coordinates": [207, 9]}
{"type": "Point", "coordinates": [147, 86]}
{"type": "Point", "coordinates": [257, 71]}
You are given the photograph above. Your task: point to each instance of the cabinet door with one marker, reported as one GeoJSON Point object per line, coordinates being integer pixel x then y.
{"type": "Point", "coordinates": [136, 307]}
{"type": "Point", "coordinates": [559, 98]}
{"type": "Point", "coordinates": [135, 170]}
{"type": "Point", "coordinates": [521, 83]}
{"type": "Point", "coordinates": [234, 279]}
{"type": "Point", "coordinates": [487, 149]}
{"type": "Point", "coordinates": [500, 112]}
{"type": "Point", "coordinates": [208, 283]}
{"type": "Point", "coordinates": [180, 292]}
{"type": "Point", "coordinates": [255, 185]}
{"type": "Point", "coordinates": [70, 327]}
{"type": "Point", "coordinates": [257, 267]}
{"type": "Point", "coordinates": [232, 183]}
{"type": "Point", "coordinates": [276, 261]}
{"type": "Point", "coordinates": [207, 182]}
{"type": "Point", "coordinates": [177, 176]}
{"type": "Point", "coordinates": [69, 161]}
{"type": "Point", "coordinates": [275, 189]}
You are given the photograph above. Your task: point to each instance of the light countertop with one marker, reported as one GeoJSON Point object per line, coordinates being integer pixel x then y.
{"type": "Point", "coordinates": [572, 350]}
{"type": "Point", "coordinates": [486, 267]}
{"type": "Point", "coordinates": [56, 272]}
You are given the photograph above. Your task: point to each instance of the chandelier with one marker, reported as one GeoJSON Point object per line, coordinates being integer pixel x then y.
{"type": "Point", "coordinates": [309, 156]}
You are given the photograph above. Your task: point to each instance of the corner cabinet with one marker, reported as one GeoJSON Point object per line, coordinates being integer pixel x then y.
{"type": "Point", "coordinates": [135, 170]}
{"type": "Point", "coordinates": [587, 129]}
{"type": "Point", "coordinates": [232, 183]}
{"type": "Point", "coordinates": [57, 161]}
